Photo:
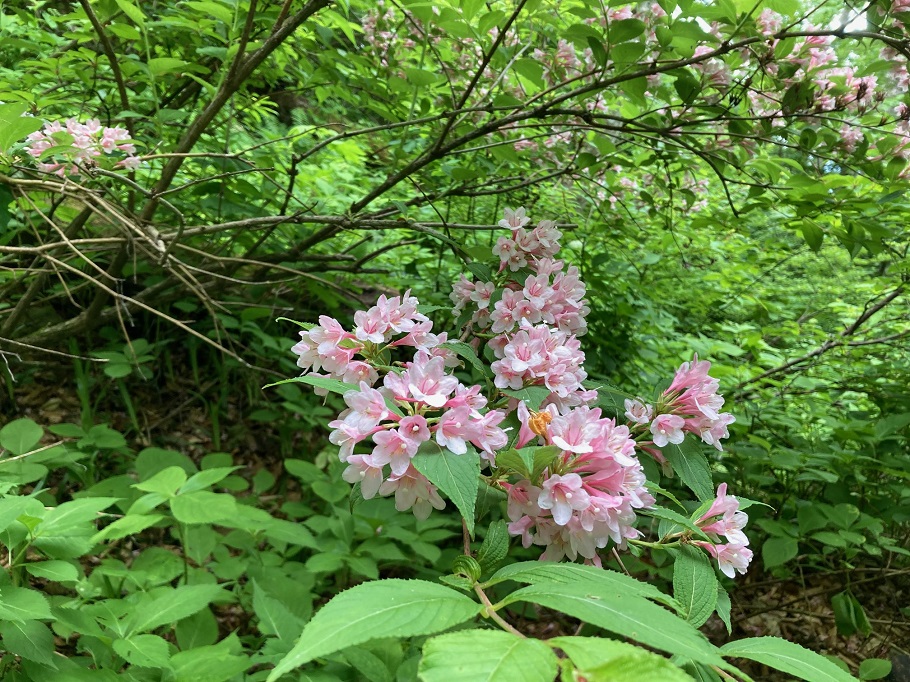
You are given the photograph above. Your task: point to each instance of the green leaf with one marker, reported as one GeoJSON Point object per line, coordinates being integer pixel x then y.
{"type": "Point", "coordinates": [530, 461]}
{"type": "Point", "coordinates": [203, 506]}
{"type": "Point", "coordinates": [333, 385]}
{"type": "Point", "coordinates": [723, 608]}
{"type": "Point", "coordinates": [57, 571]}
{"type": "Point", "coordinates": [12, 508]}
{"type": "Point", "coordinates": [690, 464]}
{"type": "Point", "coordinates": [532, 395]}
{"type": "Point", "coordinates": [206, 478]}
{"type": "Point", "coordinates": [274, 617]}
{"type": "Point", "coordinates": [160, 65]}
{"type": "Point", "coordinates": [623, 614]}
{"type": "Point", "coordinates": [468, 353]}
{"type": "Point", "coordinates": [675, 518]}
{"type": "Point", "coordinates": [777, 551]}
{"type": "Point", "coordinates": [30, 640]}
{"type": "Point", "coordinates": [20, 604]}
{"type": "Point", "coordinates": [13, 128]}
{"type": "Point", "coordinates": [486, 656]}
{"type": "Point", "coordinates": [787, 657]}
{"type": "Point", "coordinates": [200, 629]}
{"type": "Point", "coordinates": [607, 660]}
{"type": "Point", "coordinates": [590, 577]}
{"type": "Point", "coordinates": [216, 663]}
{"type": "Point", "coordinates": [166, 482]}
{"type": "Point", "coordinates": [812, 233]}
{"type": "Point", "coordinates": [384, 608]}
{"type": "Point", "coordinates": [279, 530]}
{"type": "Point", "coordinates": [146, 651]}
{"type": "Point", "coordinates": [20, 435]}
{"type": "Point", "coordinates": [874, 669]}
{"type": "Point", "coordinates": [128, 525]}
{"type": "Point", "coordinates": [694, 584]}
{"type": "Point", "coordinates": [170, 606]}
{"type": "Point", "coordinates": [133, 12]}
{"type": "Point", "coordinates": [495, 546]}
{"type": "Point", "coordinates": [455, 475]}
{"type": "Point", "coordinates": [849, 615]}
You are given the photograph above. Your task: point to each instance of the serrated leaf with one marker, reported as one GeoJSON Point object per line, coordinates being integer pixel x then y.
{"type": "Point", "coordinates": [690, 464]}
{"type": "Point", "coordinates": [495, 546]}
{"type": "Point", "coordinates": [623, 614]}
{"type": "Point", "coordinates": [486, 656]}
{"type": "Point", "coordinates": [128, 525]}
{"type": "Point", "coordinates": [455, 475]}
{"type": "Point", "coordinates": [57, 571]}
{"type": "Point", "coordinates": [384, 608]}
{"type": "Point", "coordinates": [274, 617]}
{"type": "Point", "coordinates": [21, 604]}
{"type": "Point", "coordinates": [787, 657]}
{"type": "Point", "coordinates": [694, 584]}
{"type": "Point", "coordinates": [170, 606]}
{"type": "Point", "coordinates": [678, 519]}
{"type": "Point", "coordinates": [723, 608]}
{"type": "Point", "coordinates": [146, 651]}
{"type": "Point", "coordinates": [30, 640]}
{"type": "Point", "coordinates": [607, 660]}
{"type": "Point", "coordinates": [590, 577]}
{"type": "Point", "coordinates": [206, 478]}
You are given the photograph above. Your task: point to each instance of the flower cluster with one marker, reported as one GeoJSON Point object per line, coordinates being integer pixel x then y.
{"type": "Point", "coordinates": [80, 144]}
{"type": "Point", "coordinates": [588, 489]}
{"type": "Point", "coordinates": [551, 293]}
{"type": "Point", "coordinates": [328, 346]}
{"type": "Point", "coordinates": [418, 405]}
{"type": "Point", "coordinates": [724, 518]}
{"type": "Point", "coordinates": [691, 404]}
{"type": "Point", "coordinates": [539, 356]}
{"type": "Point", "coordinates": [588, 495]}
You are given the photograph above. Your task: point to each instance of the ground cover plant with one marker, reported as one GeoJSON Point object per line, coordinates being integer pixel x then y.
{"type": "Point", "coordinates": [698, 316]}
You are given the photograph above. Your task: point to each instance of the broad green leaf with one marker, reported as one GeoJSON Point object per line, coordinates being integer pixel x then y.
{"type": "Point", "coordinates": [384, 608]}
{"type": "Point", "coordinates": [69, 516]}
{"type": "Point", "coordinates": [20, 435]}
{"type": "Point", "coordinates": [777, 551]}
{"type": "Point", "coordinates": [13, 128]}
{"type": "Point", "coordinates": [694, 584]}
{"type": "Point", "coordinates": [30, 640]}
{"type": "Point", "coordinates": [675, 518]}
{"type": "Point", "coordinates": [203, 506]}
{"type": "Point", "coordinates": [495, 546]}
{"type": "Point", "coordinates": [206, 478]}
{"type": "Point", "coordinates": [20, 604]}
{"type": "Point", "coordinates": [486, 656]}
{"type": "Point", "coordinates": [607, 660]}
{"type": "Point", "coordinates": [128, 525]}
{"type": "Point", "coordinates": [874, 669]}
{"type": "Point", "coordinates": [12, 508]}
{"type": "Point", "coordinates": [132, 11]}
{"type": "Point", "coordinates": [279, 530]}
{"type": "Point", "coordinates": [455, 475]}
{"type": "Point", "coordinates": [274, 617]}
{"type": "Point", "coordinates": [530, 461]}
{"type": "Point", "coordinates": [200, 629]}
{"type": "Point", "coordinates": [626, 614]}
{"type": "Point", "coordinates": [166, 482]}
{"type": "Point", "coordinates": [146, 651]}
{"type": "Point", "coordinates": [216, 663]}
{"type": "Point", "coordinates": [170, 605]}
{"type": "Point", "coordinates": [787, 657]}
{"type": "Point", "coordinates": [590, 577]}
{"type": "Point", "coordinates": [160, 65]}
{"type": "Point", "coordinates": [57, 571]}
{"type": "Point", "coordinates": [690, 464]}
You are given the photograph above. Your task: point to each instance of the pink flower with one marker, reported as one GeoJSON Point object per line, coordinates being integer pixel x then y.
{"type": "Point", "coordinates": [413, 491]}
{"type": "Point", "coordinates": [392, 448]}
{"type": "Point", "coordinates": [428, 382]}
{"type": "Point", "coordinates": [638, 412]}
{"type": "Point", "coordinates": [667, 428]}
{"type": "Point", "coordinates": [368, 407]}
{"type": "Point", "coordinates": [456, 428]}
{"type": "Point", "coordinates": [562, 495]}
{"type": "Point", "coordinates": [730, 557]}
{"type": "Point", "coordinates": [361, 471]}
